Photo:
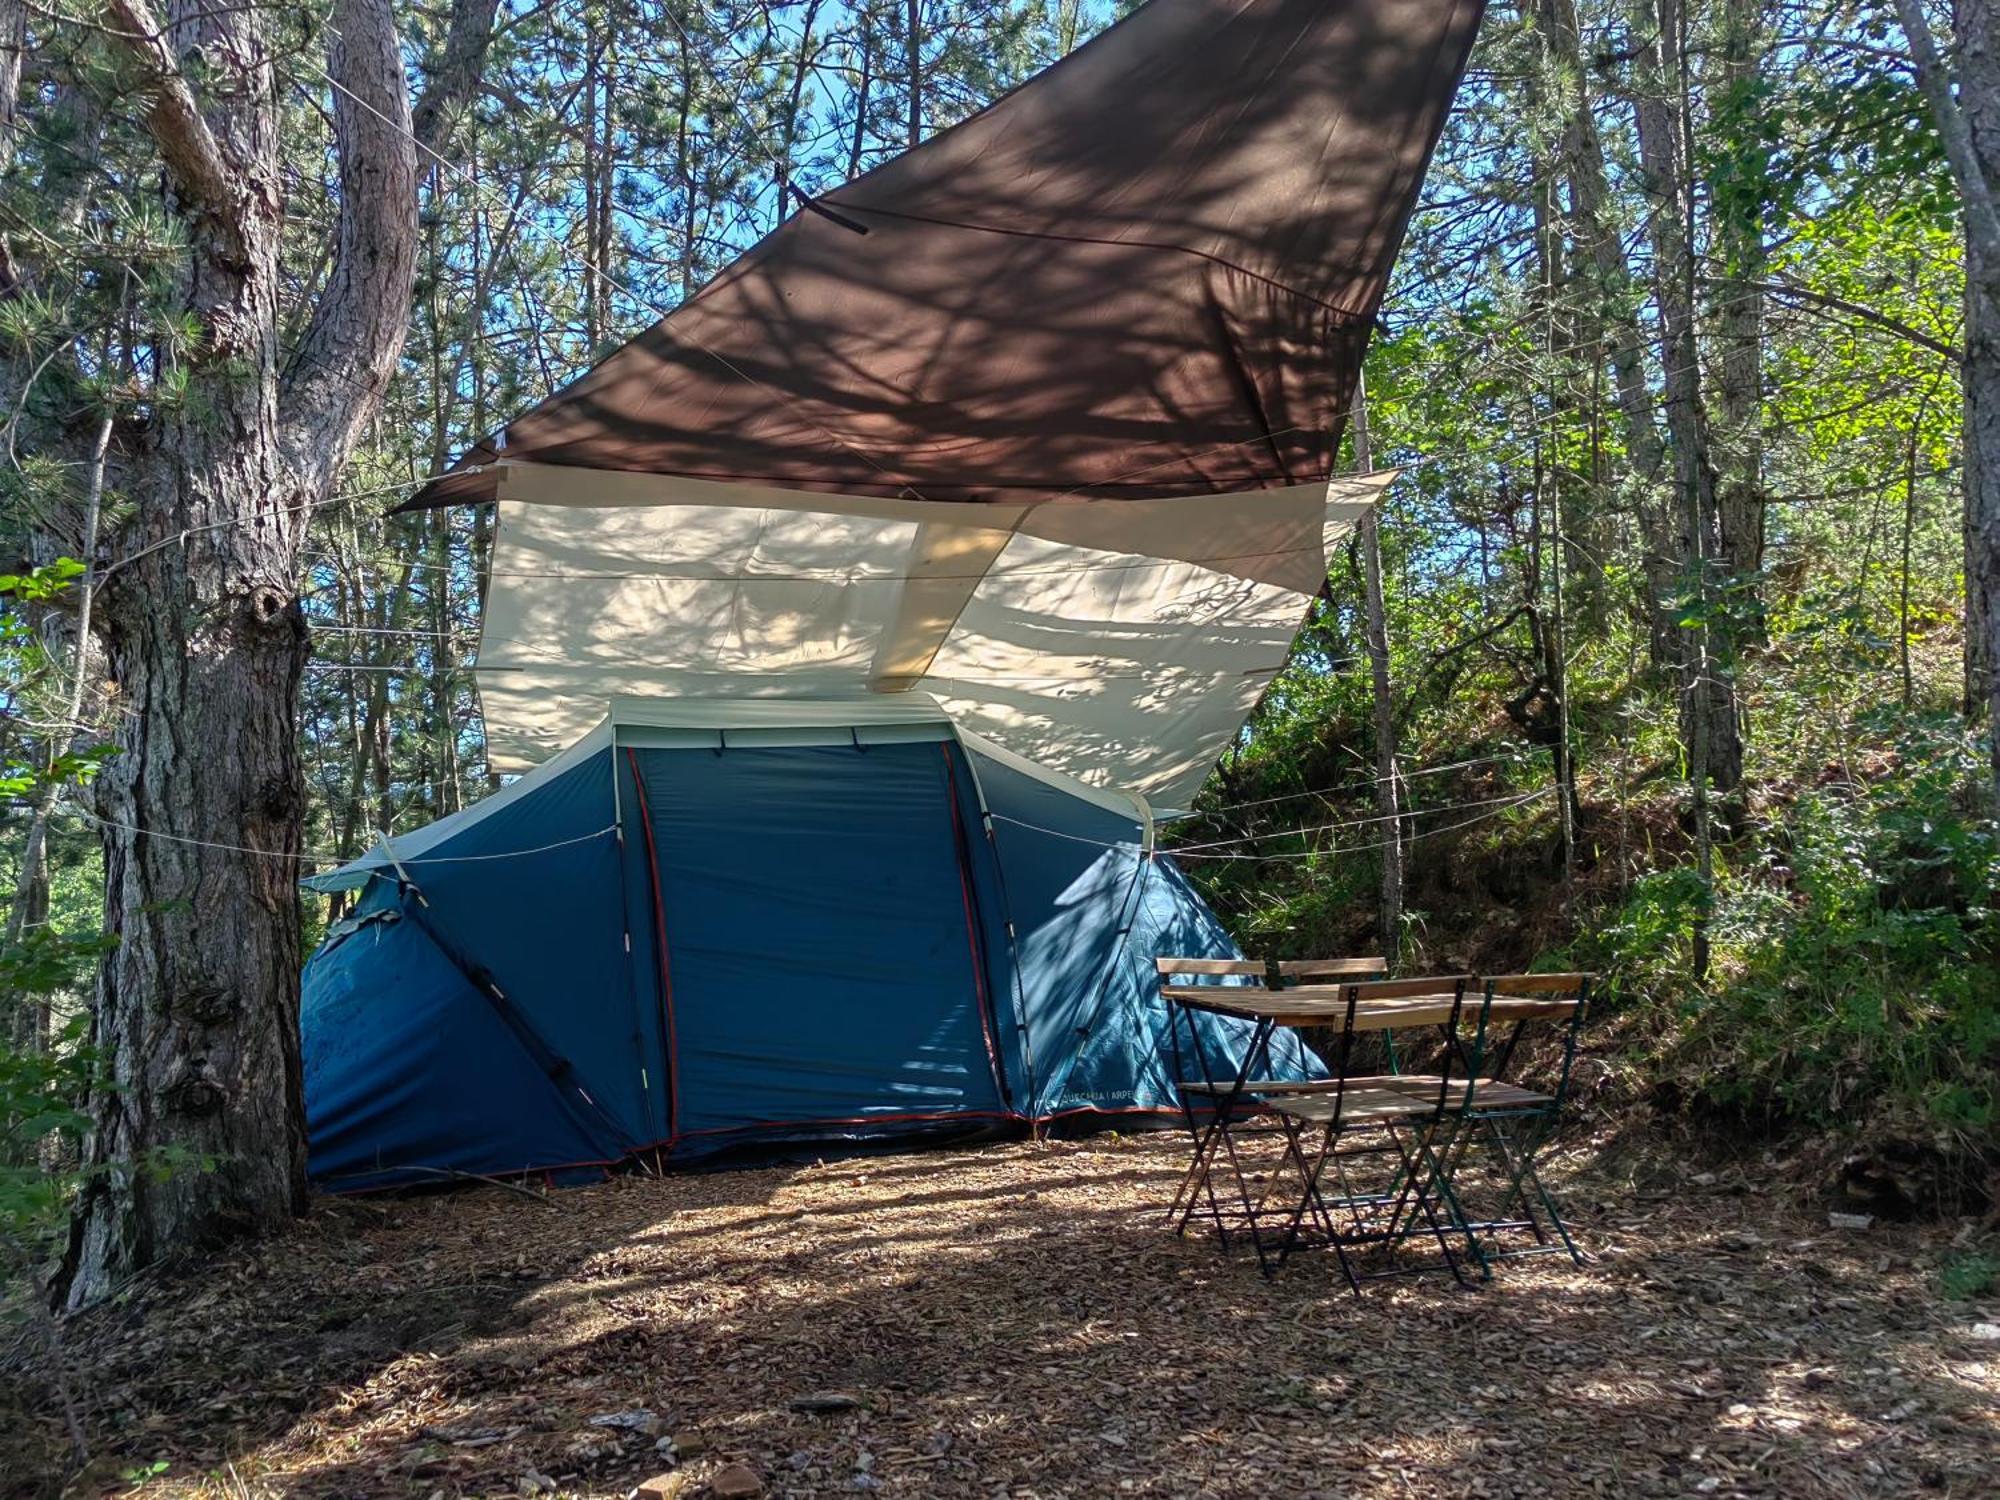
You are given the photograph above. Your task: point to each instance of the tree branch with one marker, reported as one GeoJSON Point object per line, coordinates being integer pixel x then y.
{"type": "Point", "coordinates": [1794, 293]}
{"type": "Point", "coordinates": [460, 72]}
{"type": "Point", "coordinates": [1981, 218]}
{"type": "Point", "coordinates": [350, 348]}
{"type": "Point", "coordinates": [207, 185]}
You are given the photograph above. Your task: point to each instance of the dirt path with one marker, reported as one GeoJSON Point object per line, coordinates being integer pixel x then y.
{"type": "Point", "coordinates": [1014, 1323]}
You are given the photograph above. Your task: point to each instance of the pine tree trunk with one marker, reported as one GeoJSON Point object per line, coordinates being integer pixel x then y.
{"type": "Point", "coordinates": [1607, 317]}
{"type": "Point", "coordinates": [197, 1008]}
{"type": "Point", "coordinates": [1739, 317]}
{"type": "Point", "coordinates": [1710, 728]}
{"type": "Point", "coordinates": [913, 38]}
{"type": "Point", "coordinates": [1388, 789]}
{"type": "Point", "coordinates": [1977, 24]}
{"type": "Point", "coordinates": [857, 144]}
{"type": "Point", "coordinates": [13, 53]}
{"type": "Point", "coordinates": [1966, 110]}
{"type": "Point", "coordinates": [1979, 379]}
{"type": "Point", "coordinates": [593, 286]}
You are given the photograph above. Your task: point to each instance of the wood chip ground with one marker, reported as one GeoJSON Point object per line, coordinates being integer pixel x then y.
{"type": "Point", "coordinates": [1013, 1322]}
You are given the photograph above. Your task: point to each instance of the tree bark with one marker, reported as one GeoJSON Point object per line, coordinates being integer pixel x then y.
{"type": "Point", "coordinates": [1966, 110]}
{"type": "Point", "coordinates": [13, 49]}
{"type": "Point", "coordinates": [1739, 205]}
{"type": "Point", "coordinates": [593, 286]}
{"type": "Point", "coordinates": [857, 144]}
{"type": "Point", "coordinates": [913, 37]}
{"type": "Point", "coordinates": [467, 36]}
{"type": "Point", "coordinates": [1388, 788]}
{"type": "Point", "coordinates": [197, 1009]}
{"type": "Point", "coordinates": [1709, 711]}
{"type": "Point", "coordinates": [1608, 319]}
{"type": "Point", "coordinates": [1979, 382]}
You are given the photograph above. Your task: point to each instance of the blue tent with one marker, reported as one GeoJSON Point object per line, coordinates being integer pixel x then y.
{"type": "Point", "coordinates": [826, 923]}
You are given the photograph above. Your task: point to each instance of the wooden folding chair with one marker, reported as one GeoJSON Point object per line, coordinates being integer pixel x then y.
{"type": "Point", "coordinates": [1216, 1108]}
{"type": "Point", "coordinates": [1499, 1124]}
{"type": "Point", "coordinates": [1356, 1117]}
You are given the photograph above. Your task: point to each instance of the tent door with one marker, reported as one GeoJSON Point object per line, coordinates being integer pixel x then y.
{"type": "Point", "coordinates": [816, 942]}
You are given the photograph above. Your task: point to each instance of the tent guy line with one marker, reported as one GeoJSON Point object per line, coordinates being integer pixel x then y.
{"type": "Point", "coordinates": [1520, 801]}
{"type": "Point", "coordinates": [181, 536]}
{"type": "Point", "coordinates": [1515, 756]}
{"type": "Point", "coordinates": [1201, 851]}
{"type": "Point", "coordinates": [1395, 817]}
{"type": "Point", "coordinates": [315, 856]}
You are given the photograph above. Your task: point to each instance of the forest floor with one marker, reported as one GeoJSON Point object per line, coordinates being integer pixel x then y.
{"type": "Point", "coordinates": [1011, 1320]}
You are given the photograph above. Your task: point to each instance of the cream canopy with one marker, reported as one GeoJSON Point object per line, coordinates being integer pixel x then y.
{"type": "Point", "coordinates": [1121, 642]}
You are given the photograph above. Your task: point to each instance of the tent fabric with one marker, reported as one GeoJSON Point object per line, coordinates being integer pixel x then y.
{"type": "Point", "coordinates": [1149, 271]}
{"type": "Point", "coordinates": [667, 946]}
{"type": "Point", "coordinates": [815, 927]}
{"type": "Point", "coordinates": [1092, 906]}
{"type": "Point", "coordinates": [1119, 642]}
{"type": "Point", "coordinates": [410, 1071]}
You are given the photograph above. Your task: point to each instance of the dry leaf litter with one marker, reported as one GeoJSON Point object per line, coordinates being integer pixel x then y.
{"type": "Point", "coordinates": [1011, 1321]}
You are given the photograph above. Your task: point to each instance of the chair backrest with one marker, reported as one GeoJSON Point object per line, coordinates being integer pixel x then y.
{"type": "Point", "coordinates": [1541, 986]}
{"type": "Point", "coordinates": [1253, 968]}
{"type": "Point", "coordinates": [1306, 970]}
{"type": "Point", "coordinates": [1427, 1001]}
{"type": "Point", "coordinates": [1401, 989]}
{"type": "Point", "coordinates": [1517, 999]}
{"type": "Point", "coordinates": [1271, 973]}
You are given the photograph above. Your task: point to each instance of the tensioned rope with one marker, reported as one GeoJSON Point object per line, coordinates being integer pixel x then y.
{"type": "Point", "coordinates": [1515, 756]}
{"type": "Point", "coordinates": [1495, 807]}
{"type": "Point", "coordinates": [1411, 838]}
{"type": "Point", "coordinates": [322, 857]}
{"type": "Point", "coordinates": [1197, 851]}
{"type": "Point", "coordinates": [1394, 817]}
{"type": "Point", "coordinates": [181, 535]}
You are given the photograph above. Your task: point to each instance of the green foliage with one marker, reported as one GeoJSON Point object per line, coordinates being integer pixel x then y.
{"type": "Point", "coordinates": [1969, 1274]}
{"type": "Point", "coordinates": [1853, 978]}
{"type": "Point", "coordinates": [42, 583]}
{"type": "Point", "coordinates": [1857, 952]}
{"type": "Point", "coordinates": [40, 1097]}
{"type": "Point", "coordinates": [47, 1069]}
{"type": "Point", "coordinates": [1880, 980]}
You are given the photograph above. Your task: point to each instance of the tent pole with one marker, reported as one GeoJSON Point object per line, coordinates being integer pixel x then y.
{"type": "Point", "coordinates": [1030, 1087]}
{"type": "Point", "coordinates": [983, 997]}
{"type": "Point", "coordinates": [664, 992]}
{"type": "Point", "coordinates": [625, 931]}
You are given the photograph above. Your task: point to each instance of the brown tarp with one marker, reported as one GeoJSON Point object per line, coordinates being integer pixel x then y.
{"type": "Point", "coordinates": [1151, 270]}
